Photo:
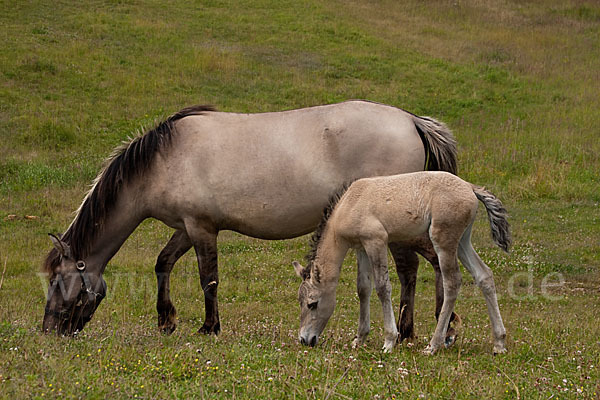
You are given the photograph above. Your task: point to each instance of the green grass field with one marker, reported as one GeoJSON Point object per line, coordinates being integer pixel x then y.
{"type": "Point", "coordinates": [517, 82]}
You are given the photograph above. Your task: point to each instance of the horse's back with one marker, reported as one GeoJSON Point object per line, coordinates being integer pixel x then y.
{"type": "Point", "coordinates": [269, 175]}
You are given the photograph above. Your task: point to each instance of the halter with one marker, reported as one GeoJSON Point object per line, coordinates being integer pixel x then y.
{"type": "Point", "coordinates": [86, 288]}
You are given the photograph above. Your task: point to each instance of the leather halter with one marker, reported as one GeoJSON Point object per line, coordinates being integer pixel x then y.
{"type": "Point", "coordinates": [86, 288]}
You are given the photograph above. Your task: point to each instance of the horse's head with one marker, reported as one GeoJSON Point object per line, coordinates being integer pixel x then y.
{"type": "Point", "coordinates": [74, 292]}
{"type": "Point", "coordinates": [317, 303]}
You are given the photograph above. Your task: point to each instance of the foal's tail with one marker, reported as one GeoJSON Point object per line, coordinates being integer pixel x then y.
{"type": "Point", "coordinates": [497, 215]}
{"type": "Point", "coordinates": [439, 143]}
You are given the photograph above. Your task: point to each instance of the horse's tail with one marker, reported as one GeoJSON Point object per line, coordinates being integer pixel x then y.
{"type": "Point", "coordinates": [439, 143]}
{"type": "Point", "coordinates": [497, 216]}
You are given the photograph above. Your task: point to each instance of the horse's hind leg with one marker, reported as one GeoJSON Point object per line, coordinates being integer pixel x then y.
{"type": "Point", "coordinates": [204, 240]}
{"type": "Point", "coordinates": [407, 264]}
{"type": "Point", "coordinates": [364, 288]}
{"type": "Point", "coordinates": [484, 278]}
{"type": "Point", "coordinates": [178, 245]}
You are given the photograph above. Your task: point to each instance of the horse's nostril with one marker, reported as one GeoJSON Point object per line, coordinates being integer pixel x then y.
{"type": "Point", "coordinates": [313, 341]}
{"type": "Point", "coordinates": [303, 341]}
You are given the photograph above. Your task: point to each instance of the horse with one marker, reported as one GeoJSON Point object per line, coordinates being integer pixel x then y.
{"type": "Point", "coordinates": [266, 175]}
{"type": "Point", "coordinates": [432, 210]}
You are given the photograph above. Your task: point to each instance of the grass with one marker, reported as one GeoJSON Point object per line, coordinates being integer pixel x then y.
{"type": "Point", "coordinates": [517, 83]}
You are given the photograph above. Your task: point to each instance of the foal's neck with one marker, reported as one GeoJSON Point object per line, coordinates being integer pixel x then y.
{"type": "Point", "coordinates": [330, 255]}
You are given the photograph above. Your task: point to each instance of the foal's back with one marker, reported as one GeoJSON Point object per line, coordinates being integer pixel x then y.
{"type": "Point", "coordinates": [400, 208]}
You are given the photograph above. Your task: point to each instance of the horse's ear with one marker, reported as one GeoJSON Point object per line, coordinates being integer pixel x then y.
{"type": "Point", "coordinates": [63, 248]}
{"type": "Point", "coordinates": [298, 268]}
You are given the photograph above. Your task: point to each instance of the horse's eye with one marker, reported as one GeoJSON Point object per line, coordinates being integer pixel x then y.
{"type": "Point", "coordinates": [80, 265]}
{"type": "Point", "coordinates": [313, 305]}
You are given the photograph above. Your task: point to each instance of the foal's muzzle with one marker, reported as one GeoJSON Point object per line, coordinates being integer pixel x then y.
{"type": "Point", "coordinates": [312, 342]}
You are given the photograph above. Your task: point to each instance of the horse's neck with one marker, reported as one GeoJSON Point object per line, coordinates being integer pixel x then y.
{"type": "Point", "coordinates": [118, 226]}
{"type": "Point", "coordinates": [330, 255]}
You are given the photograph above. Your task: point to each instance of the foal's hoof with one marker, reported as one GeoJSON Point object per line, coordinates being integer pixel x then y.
{"type": "Point", "coordinates": [388, 347]}
{"type": "Point", "coordinates": [209, 329]}
{"type": "Point", "coordinates": [356, 343]}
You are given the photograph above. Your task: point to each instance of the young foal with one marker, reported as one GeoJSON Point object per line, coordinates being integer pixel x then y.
{"type": "Point", "coordinates": [428, 209]}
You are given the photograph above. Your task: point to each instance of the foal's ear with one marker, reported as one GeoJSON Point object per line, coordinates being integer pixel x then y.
{"type": "Point", "coordinates": [63, 248]}
{"type": "Point", "coordinates": [298, 268]}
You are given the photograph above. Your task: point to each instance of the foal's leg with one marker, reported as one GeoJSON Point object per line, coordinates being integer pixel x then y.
{"type": "Point", "coordinates": [484, 278]}
{"type": "Point", "coordinates": [407, 264]}
{"type": "Point", "coordinates": [364, 288]}
{"type": "Point", "coordinates": [452, 281]}
{"type": "Point", "coordinates": [178, 245]}
{"type": "Point", "coordinates": [204, 240]}
{"type": "Point", "coordinates": [377, 252]}
{"type": "Point", "coordinates": [444, 238]}
{"type": "Point", "coordinates": [425, 248]}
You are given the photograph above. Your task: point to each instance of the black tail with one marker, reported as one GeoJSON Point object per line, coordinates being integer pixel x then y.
{"type": "Point", "coordinates": [439, 143]}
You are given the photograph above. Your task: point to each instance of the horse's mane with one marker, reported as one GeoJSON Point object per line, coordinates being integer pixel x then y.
{"type": "Point", "coordinates": [127, 162]}
{"type": "Point", "coordinates": [315, 239]}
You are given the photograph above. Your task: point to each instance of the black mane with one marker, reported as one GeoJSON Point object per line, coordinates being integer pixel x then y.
{"type": "Point", "coordinates": [127, 162]}
{"type": "Point", "coordinates": [315, 239]}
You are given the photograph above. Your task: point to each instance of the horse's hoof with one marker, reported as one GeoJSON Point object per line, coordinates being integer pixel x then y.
{"type": "Point", "coordinates": [450, 340]}
{"type": "Point", "coordinates": [167, 322]}
{"type": "Point", "coordinates": [409, 337]}
{"type": "Point", "coordinates": [210, 329]}
{"type": "Point", "coordinates": [167, 329]}
{"type": "Point", "coordinates": [405, 333]}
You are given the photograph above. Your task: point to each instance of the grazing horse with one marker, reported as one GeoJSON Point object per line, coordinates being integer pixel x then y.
{"type": "Point", "coordinates": [434, 210]}
{"type": "Point", "coordinates": [265, 175]}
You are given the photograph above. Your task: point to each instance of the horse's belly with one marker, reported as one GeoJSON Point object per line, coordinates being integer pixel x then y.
{"type": "Point", "coordinates": [274, 221]}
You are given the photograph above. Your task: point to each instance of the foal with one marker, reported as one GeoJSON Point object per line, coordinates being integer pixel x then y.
{"type": "Point", "coordinates": [427, 209]}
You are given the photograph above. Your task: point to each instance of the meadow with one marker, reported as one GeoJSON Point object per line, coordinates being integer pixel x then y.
{"type": "Point", "coordinates": [518, 84]}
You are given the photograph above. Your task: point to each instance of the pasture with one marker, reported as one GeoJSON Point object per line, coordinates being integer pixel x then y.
{"type": "Point", "coordinates": [518, 84]}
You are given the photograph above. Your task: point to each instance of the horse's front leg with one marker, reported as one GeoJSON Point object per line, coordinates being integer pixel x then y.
{"type": "Point", "coordinates": [177, 246]}
{"type": "Point", "coordinates": [364, 288]}
{"type": "Point", "coordinates": [204, 240]}
{"type": "Point", "coordinates": [407, 264]}
{"type": "Point", "coordinates": [377, 252]}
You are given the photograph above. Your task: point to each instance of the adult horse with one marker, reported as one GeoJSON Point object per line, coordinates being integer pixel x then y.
{"type": "Point", "coordinates": [265, 175]}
